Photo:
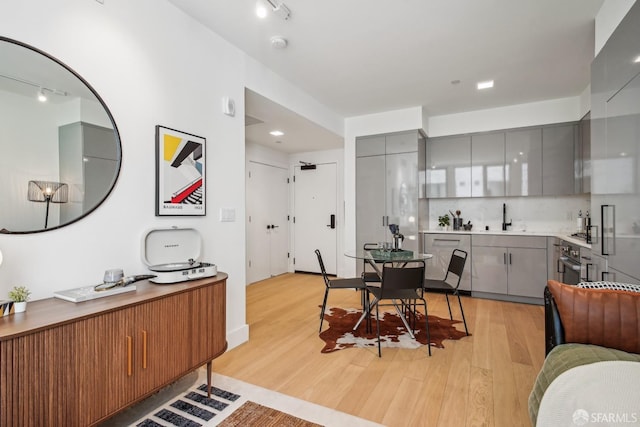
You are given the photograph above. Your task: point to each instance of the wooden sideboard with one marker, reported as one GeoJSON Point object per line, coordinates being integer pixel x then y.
{"type": "Point", "coordinates": [66, 364]}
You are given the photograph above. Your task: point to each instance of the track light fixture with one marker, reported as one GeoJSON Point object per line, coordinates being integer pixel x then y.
{"type": "Point", "coordinates": [280, 9]}
{"type": "Point", "coordinates": [41, 96]}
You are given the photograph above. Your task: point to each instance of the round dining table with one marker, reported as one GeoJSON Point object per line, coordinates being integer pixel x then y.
{"type": "Point", "coordinates": [377, 257]}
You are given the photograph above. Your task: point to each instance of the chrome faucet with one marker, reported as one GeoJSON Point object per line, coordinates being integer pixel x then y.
{"type": "Point", "coordinates": [505, 224]}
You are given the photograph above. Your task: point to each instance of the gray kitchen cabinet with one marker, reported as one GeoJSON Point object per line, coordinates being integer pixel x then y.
{"type": "Point", "coordinates": [527, 270]}
{"type": "Point", "coordinates": [441, 246]}
{"type": "Point", "coordinates": [487, 164]}
{"type": "Point", "coordinates": [523, 162]}
{"type": "Point", "coordinates": [489, 270]}
{"type": "Point", "coordinates": [370, 200]}
{"type": "Point", "coordinates": [615, 151]}
{"type": "Point", "coordinates": [584, 161]}
{"type": "Point", "coordinates": [448, 167]}
{"type": "Point", "coordinates": [558, 159]}
{"type": "Point", "coordinates": [387, 188]}
{"type": "Point", "coordinates": [509, 267]}
{"type": "Point", "coordinates": [403, 142]}
{"type": "Point", "coordinates": [370, 146]}
{"type": "Point", "coordinates": [596, 268]}
{"type": "Point", "coordinates": [88, 164]}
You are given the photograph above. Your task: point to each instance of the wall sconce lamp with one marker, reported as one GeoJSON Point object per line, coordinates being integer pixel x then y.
{"type": "Point", "coordinates": [48, 192]}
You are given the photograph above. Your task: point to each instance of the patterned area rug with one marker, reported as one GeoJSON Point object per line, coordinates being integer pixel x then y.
{"type": "Point", "coordinates": [252, 414]}
{"type": "Point", "coordinates": [236, 403]}
{"type": "Point", "coordinates": [392, 331]}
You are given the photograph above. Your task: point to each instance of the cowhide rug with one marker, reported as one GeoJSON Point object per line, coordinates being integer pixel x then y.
{"type": "Point", "coordinates": [392, 331]}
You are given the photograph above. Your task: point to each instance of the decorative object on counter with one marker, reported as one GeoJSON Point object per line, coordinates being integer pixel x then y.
{"type": "Point", "coordinates": [7, 307]}
{"type": "Point", "coordinates": [19, 295]}
{"type": "Point", "coordinates": [443, 221]}
{"type": "Point", "coordinates": [173, 255]}
{"type": "Point", "coordinates": [113, 275]}
{"type": "Point", "coordinates": [581, 222]}
{"type": "Point", "coordinates": [457, 221]}
{"type": "Point", "coordinates": [123, 282]}
{"type": "Point", "coordinates": [180, 173]}
{"type": "Point", "coordinates": [397, 237]}
{"type": "Point", "coordinates": [468, 226]}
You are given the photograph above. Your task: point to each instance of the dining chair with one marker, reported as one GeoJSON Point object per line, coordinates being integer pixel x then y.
{"type": "Point", "coordinates": [351, 283]}
{"type": "Point", "coordinates": [404, 283]}
{"type": "Point", "coordinates": [369, 276]}
{"type": "Point", "coordinates": [456, 267]}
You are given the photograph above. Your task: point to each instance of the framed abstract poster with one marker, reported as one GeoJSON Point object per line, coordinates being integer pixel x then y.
{"type": "Point", "coordinates": [180, 173]}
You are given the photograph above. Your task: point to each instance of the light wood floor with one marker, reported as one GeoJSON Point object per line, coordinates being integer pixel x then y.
{"type": "Point", "coordinates": [481, 380]}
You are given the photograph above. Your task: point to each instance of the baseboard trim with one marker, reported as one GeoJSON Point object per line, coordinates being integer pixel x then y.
{"type": "Point", "coordinates": [237, 336]}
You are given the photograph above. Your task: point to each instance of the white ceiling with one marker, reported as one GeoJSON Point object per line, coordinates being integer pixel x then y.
{"type": "Point", "coordinates": [366, 56]}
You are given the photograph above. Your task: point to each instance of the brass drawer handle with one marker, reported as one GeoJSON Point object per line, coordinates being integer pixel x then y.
{"type": "Point", "coordinates": [144, 349]}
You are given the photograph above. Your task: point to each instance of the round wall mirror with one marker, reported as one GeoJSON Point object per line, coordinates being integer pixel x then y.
{"type": "Point", "coordinates": [60, 146]}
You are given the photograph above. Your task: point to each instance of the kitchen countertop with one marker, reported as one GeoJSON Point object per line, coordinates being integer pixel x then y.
{"type": "Point", "coordinates": [560, 235]}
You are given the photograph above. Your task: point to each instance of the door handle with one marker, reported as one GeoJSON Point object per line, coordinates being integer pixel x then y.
{"type": "Point", "coordinates": [269, 227]}
{"type": "Point", "coordinates": [332, 221]}
{"type": "Point", "coordinates": [608, 223]}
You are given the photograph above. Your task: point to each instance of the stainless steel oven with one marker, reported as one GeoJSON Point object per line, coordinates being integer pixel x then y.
{"type": "Point", "coordinates": [568, 264]}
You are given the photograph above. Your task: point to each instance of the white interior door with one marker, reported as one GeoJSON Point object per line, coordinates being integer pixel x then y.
{"type": "Point", "coordinates": [315, 194]}
{"type": "Point", "coordinates": [267, 222]}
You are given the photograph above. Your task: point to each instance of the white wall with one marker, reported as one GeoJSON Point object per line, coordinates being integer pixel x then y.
{"type": "Point", "coordinates": [521, 115]}
{"type": "Point", "coordinates": [147, 76]}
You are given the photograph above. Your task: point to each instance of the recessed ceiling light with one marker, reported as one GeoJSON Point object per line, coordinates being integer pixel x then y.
{"type": "Point", "coordinates": [485, 85]}
{"type": "Point", "coordinates": [276, 133]}
{"type": "Point", "coordinates": [637, 59]}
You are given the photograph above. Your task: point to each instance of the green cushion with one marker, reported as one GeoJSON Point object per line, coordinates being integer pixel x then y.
{"type": "Point", "coordinates": [567, 356]}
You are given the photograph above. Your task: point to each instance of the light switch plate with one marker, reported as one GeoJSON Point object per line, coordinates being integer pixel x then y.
{"type": "Point", "coordinates": [227, 214]}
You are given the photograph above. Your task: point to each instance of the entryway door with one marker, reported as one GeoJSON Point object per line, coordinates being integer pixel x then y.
{"type": "Point", "coordinates": [315, 224]}
{"type": "Point", "coordinates": [267, 222]}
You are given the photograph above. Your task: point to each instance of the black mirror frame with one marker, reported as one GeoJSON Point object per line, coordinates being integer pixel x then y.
{"type": "Point", "coordinates": [113, 123]}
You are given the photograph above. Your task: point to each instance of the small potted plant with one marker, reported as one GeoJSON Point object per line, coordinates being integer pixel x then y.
{"type": "Point", "coordinates": [443, 221]}
{"type": "Point", "coordinates": [19, 295]}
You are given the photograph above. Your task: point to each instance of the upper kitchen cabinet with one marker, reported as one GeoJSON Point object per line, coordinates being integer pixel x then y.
{"type": "Point", "coordinates": [403, 142]}
{"type": "Point", "coordinates": [448, 167]}
{"type": "Point", "coordinates": [387, 187]}
{"type": "Point", "coordinates": [370, 146]}
{"type": "Point", "coordinates": [559, 149]}
{"type": "Point", "coordinates": [487, 164]}
{"type": "Point", "coordinates": [523, 162]}
{"type": "Point", "coordinates": [584, 161]}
